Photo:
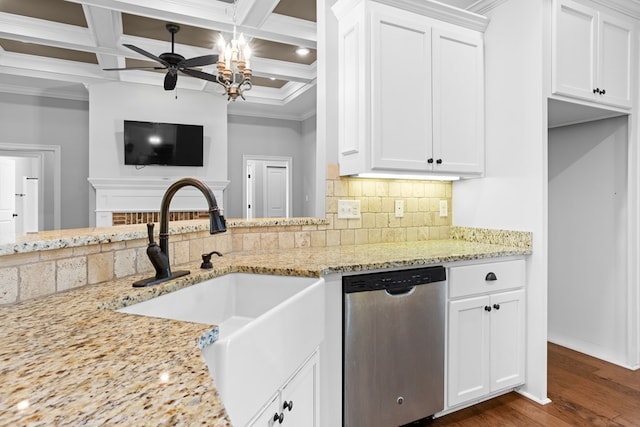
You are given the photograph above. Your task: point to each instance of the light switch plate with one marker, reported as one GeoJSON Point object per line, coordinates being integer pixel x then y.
{"type": "Point", "coordinates": [399, 210]}
{"type": "Point", "coordinates": [444, 209]}
{"type": "Point", "coordinates": [348, 209]}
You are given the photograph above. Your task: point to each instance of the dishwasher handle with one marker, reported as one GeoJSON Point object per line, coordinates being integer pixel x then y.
{"type": "Point", "coordinates": [399, 291]}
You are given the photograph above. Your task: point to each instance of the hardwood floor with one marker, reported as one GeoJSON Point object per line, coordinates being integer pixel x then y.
{"type": "Point", "coordinates": [584, 391]}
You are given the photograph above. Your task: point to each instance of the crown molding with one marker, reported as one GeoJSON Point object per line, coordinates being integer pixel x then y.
{"type": "Point", "coordinates": [433, 9]}
{"type": "Point", "coordinates": [482, 7]}
{"type": "Point", "coordinates": [626, 7]}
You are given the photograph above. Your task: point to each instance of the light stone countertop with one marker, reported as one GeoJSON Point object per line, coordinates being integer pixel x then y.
{"type": "Point", "coordinates": [76, 361]}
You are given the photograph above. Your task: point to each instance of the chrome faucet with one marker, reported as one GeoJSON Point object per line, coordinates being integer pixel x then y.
{"type": "Point", "coordinates": [160, 258]}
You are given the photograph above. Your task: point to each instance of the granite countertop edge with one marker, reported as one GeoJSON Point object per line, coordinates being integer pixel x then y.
{"type": "Point", "coordinates": [71, 238]}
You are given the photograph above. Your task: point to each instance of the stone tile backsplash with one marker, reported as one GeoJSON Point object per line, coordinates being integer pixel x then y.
{"type": "Point", "coordinates": [377, 197]}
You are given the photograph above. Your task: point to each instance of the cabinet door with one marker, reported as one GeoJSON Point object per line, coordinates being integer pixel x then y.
{"type": "Point", "coordinates": [267, 418]}
{"type": "Point", "coordinates": [468, 358]}
{"type": "Point", "coordinates": [458, 102]}
{"type": "Point", "coordinates": [401, 131]}
{"type": "Point", "coordinates": [507, 339]}
{"type": "Point", "coordinates": [574, 50]}
{"type": "Point", "coordinates": [300, 397]}
{"type": "Point", "coordinates": [614, 61]}
{"type": "Point", "coordinates": [353, 96]}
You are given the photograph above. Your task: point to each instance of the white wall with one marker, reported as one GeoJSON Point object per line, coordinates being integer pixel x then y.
{"type": "Point", "coordinates": [513, 193]}
{"type": "Point", "coordinates": [35, 120]}
{"type": "Point", "coordinates": [327, 104]}
{"type": "Point", "coordinates": [268, 137]}
{"type": "Point", "coordinates": [112, 103]}
{"type": "Point", "coordinates": [588, 238]}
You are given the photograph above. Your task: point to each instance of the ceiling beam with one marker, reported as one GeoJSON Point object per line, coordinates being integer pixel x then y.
{"type": "Point", "coordinates": [253, 13]}
{"type": "Point", "coordinates": [214, 15]}
{"type": "Point", "coordinates": [106, 26]}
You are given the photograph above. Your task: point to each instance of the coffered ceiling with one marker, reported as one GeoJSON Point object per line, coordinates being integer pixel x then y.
{"type": "Point", "coordinates": [60, 47]}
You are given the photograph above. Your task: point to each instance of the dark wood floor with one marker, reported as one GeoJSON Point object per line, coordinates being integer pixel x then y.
{"type": "Point", "coordinates": [584, 392]}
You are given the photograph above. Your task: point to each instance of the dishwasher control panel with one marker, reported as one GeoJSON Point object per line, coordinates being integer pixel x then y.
{"type": "Point", "coordinates": [393, 279]}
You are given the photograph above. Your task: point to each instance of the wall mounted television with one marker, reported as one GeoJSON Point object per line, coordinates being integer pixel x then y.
{"type": "Point", "coordinates": [168, 144]}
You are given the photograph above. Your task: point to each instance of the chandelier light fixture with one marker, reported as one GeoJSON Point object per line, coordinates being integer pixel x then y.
{"type": "Point", "coordinates": [234, 67]}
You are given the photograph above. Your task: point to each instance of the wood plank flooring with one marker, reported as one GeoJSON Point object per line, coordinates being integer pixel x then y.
{"type": "Point", "coordinates": [584, 391]}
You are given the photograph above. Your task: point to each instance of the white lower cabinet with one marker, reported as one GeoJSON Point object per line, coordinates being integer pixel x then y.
{"type": "Point", "coordinates": [486, 332]}
{"type": "Point", "coordinates": [297, 402]}
{"type": "Point", "coordinates": [267, 416]}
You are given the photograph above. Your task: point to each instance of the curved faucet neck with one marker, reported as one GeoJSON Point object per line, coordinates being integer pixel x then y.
{"type": "Point", "coordinates": [217, 223]}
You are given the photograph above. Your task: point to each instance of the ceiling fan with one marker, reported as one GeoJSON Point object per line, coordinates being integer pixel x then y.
{"type": "Point", "coordinates": [174, 62]}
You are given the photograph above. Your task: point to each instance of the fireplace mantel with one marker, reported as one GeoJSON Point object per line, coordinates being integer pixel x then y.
{"type": "Point", "coordinates": [145, 194]}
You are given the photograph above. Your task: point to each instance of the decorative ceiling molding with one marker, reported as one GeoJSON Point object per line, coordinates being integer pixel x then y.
{"type": "Point", "coordinates": [626, 7]}
{"type": "Point", "coordinates": [482, 7]}
{"type": "Point", "coordinates": [432, 9]}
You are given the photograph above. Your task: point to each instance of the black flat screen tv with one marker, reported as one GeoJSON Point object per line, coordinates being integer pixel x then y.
{"type": "Point", "coordinates": [169, 144]}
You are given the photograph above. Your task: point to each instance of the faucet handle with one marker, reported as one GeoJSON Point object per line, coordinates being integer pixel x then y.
{"type": "Point", "coordinates": [150, 232]}
{"type": "Point", "coordinates": [206, 260]}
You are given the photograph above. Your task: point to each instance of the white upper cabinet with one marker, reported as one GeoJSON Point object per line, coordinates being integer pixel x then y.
{"type": "Point", "coordinates": [458, 102]}
{"type": "Point", "coordinates": [411, 88]}
{"type": "Point", "coordinates": [592, 54]}
{"type": "Point", "coordinates": [400, 90]}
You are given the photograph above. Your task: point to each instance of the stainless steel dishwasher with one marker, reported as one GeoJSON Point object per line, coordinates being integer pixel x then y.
{"type": "Point", "coordinates": [393, 346]}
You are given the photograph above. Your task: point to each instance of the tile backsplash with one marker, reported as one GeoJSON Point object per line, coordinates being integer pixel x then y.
{"type": "Point", "coordinates": [378, 223]}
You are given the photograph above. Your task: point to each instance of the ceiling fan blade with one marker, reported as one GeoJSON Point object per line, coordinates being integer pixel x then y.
{"type": "Point", "coordinates": [170, 80]}
{"type": "Point", "coordinates": [134, 68]}
{"type": "Point", "coordinates": [200, 74]}
{"type": "Point", "coordinates": [199, 61]}
{"type": "Point", "coordinates": [147, 54]}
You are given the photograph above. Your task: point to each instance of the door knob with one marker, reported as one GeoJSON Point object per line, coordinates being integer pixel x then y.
{"type": "Point", "coordinates": [15, 215]}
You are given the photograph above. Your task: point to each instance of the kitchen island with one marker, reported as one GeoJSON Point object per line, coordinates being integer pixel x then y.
{"type": "Point", "coordinates": [71, 359]}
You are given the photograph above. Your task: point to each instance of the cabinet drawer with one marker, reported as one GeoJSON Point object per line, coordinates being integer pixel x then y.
{"type": "Point", "coordinates": [477, 279]}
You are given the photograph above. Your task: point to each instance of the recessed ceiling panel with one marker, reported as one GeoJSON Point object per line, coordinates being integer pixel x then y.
{"type": "Point", "coordinates": [48, 51]}
{"type": "Point", "coordinates": [141, 26]}
{"type": "Point", "coordinates": [130, 62]}
{"type": "Point", "coordinates": [280, 51]}
{"type": "Point", "coordinates": [51, 10]}
{"type": "Point", "coordinates": [301, 9]}
{"type": "Point", "coordinates": [266, 82]}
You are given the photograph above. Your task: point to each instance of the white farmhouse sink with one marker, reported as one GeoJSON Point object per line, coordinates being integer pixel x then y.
{"type": "Point", "coordinates": [268, 325]}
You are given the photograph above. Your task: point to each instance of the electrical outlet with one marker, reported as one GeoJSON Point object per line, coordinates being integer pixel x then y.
{"type": "Point", "coordinates": [348, 209]}
{"type": "Point", "coordinates": [444, 209]}
{"type": "Point", "coordinates": [399, 210]}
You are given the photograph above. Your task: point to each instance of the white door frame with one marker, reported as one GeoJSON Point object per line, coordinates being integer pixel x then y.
{"type": "Point", "coordinates": [248, 187]}
{"type": "Point", "coordinates": [29, 150]}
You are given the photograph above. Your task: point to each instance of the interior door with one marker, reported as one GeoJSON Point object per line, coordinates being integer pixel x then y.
{"type": "Point", "coordinates": [275, 191]}
{"type": "Point", "coordinates": [249, 191]}
{"type": "Point", "coordinates": [7, 198]}
{"type": "Point", "coordinates": [30, 204]}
